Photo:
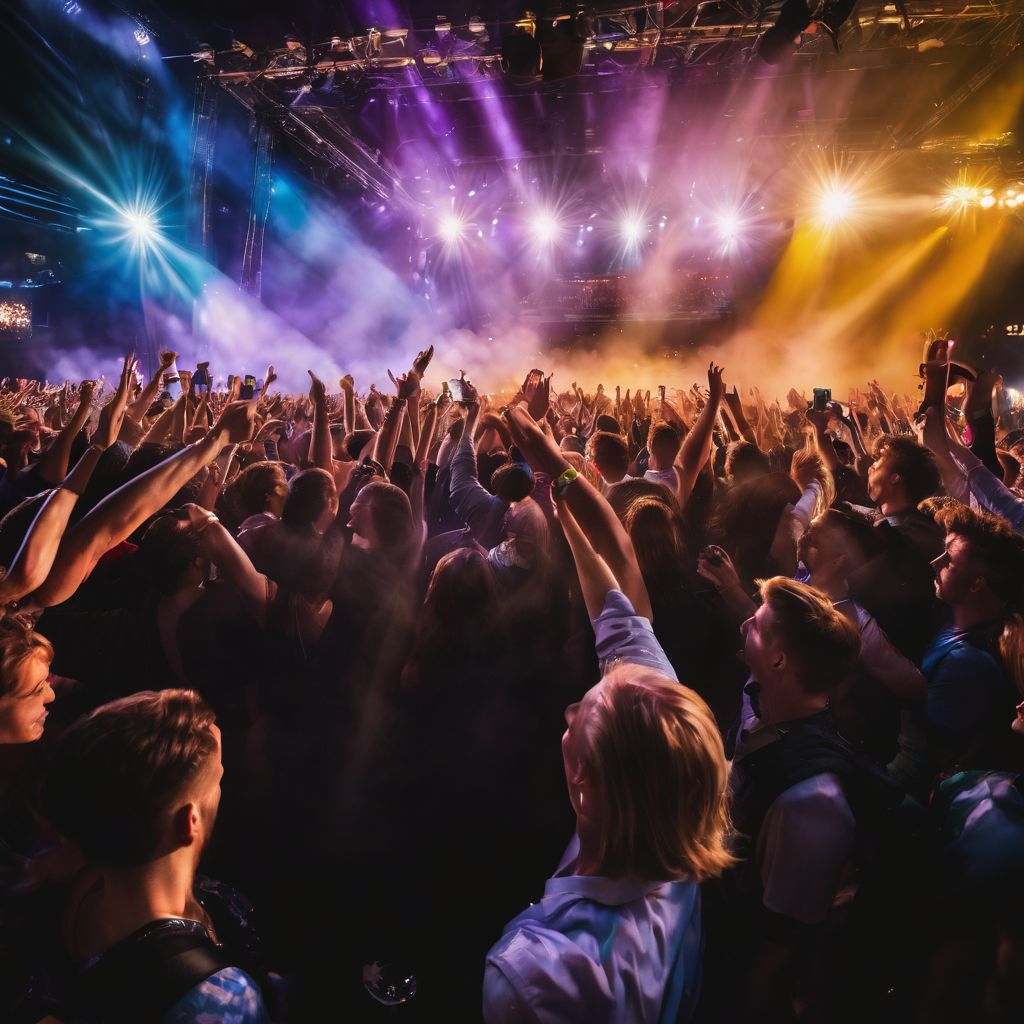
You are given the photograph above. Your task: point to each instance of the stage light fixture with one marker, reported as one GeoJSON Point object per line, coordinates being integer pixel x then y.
{"type": "Point", "coordinates": [140, 226]}
{"type": "Point", "coordinates": [71, 8]}
{"type": "Point", "coordinates": [141, 36]}
{"type": "Point", "coordinates": [544, 227]}
{"type": "Point", "coordinates": [729, 224]}
{"type": "Point", "coordinates": [451, 228]}
{"type": "Point", "coordinates": [632, 229]}
{"type": "Point", "coordinates": [987, 201]}
{"type": "Point", "coordinates": [961, 196]}
{"type": "Point", "coordinates": [836, 204]}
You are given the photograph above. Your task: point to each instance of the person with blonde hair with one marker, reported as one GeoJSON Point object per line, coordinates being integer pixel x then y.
{"type": "Point", "coordinates": [617, 935]}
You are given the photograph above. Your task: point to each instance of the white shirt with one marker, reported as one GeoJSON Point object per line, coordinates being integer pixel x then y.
{"type": "Point", "coordinates": [597, 950]}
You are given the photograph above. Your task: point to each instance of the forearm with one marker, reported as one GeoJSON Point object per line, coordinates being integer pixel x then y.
{"type": "Point", "coordinates": [54, 466]}
{"type": "Point", "coordinates": [696, 449]}
{"type": "Point", "coordinates": [596, 579]}
{"type": "Point", "coordinates": [118, 516]}
{"type": "Point", "coordinates": [35, 557]}
{"type": "Point", "coordinates": [826, 449]}
{"type": "Point", "coordinates": [350, 410]}
{"type": "Point", "coordinates": [426, 438]}
{"type": "Point", "coordinates": [387, 436]}
{"type": "Point", "coordinates": [321, 452]}
{"type": "Point", "coordinates": [217, 544]}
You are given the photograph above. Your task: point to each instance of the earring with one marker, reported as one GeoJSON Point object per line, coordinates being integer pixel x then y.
{"type": "Point", "coordinates": [580, 793]}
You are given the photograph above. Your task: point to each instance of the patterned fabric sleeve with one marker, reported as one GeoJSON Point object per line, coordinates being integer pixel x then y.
{"type": "Point", "coordinates": [228, 997]}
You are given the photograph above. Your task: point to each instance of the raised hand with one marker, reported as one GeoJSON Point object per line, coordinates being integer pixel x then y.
{"type": "Point", "coordinates": [167, 360]}
{"type": "Point", "coordinates": [540, 401]}
{"type": "Point", "coordinates": [317, 391]}
{"type": "Point", "coordinates": [269, 379]}
{"type": "Point", "coordinates": [422, 361]}
{"type": "Point", "coordinates": [112, 416]}
{"type": "Point", "coordinates": [714, 564]}
{"type": "Point", "coordinates": [235, 423]}
{"type": "Point", "coordinates": [347, 383]}
{"type": "Point", "coordinates": [716, 385]}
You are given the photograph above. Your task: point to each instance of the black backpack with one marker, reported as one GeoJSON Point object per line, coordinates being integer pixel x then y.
{"type": "Point", "coordinates": [141, 977]}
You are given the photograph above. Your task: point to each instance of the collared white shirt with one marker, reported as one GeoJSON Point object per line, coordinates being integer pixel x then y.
{"type": "Point", "coordinates": [597, 950]}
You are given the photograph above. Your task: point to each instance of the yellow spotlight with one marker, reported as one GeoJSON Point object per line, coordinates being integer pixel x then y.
{"type": "Point", "coordinates": [836, 204]}
{"type": "Point", "coordinates": [987, 201]}
{"type": "Point", "coordinates": [960, 197]}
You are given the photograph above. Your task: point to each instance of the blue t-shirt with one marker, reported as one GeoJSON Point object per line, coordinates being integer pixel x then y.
{"type": "Point", "coordinates": [228, 997]}
{"type": "Point", "coordinates": [964, 680]}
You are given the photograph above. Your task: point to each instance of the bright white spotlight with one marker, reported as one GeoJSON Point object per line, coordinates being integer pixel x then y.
{"type": "Point", "coordinates": [140, 226]}
{"type": "Point", "coordinates": [836, 204]}
{"type": "Point", "coordinates": [141, 36]}
{"type": "Point", "coordinates": [730, 225]}
{"type": "Point", "coordinates": [451, 228]}
{"type": "Point", "coordinates": [986, 202]}
{"type": "Point", "coordinates": [544, 227]}
{"type": "Point", "coordinates": [632, 230]}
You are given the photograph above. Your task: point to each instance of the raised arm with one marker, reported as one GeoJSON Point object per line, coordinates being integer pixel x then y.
{"type": "Point", "coordinates": [122, 512]}
{"type": "Point", "coordinates": [145, 399]}
{"type": "Point", "coordinates": [54, 465]}
{"type": "Point", "coordinates": [590, 509]}
{"type": "Point", "coordinates": [818, 419]}
{"type": "Point", "coordinates": [696, 448]}
{"type": "Point", "coordinates": [321, 452]}
{"type": "Point", "coordinates": [217, 544]}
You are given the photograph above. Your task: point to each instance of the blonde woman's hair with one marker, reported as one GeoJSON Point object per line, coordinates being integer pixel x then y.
{"type": "Point", "coordinates": [655, 752]}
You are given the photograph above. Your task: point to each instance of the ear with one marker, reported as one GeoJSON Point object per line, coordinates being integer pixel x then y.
{"type": "Point", "coordinates": [779, 661]}
{"type": "Point", "coordinates": [186, 824]}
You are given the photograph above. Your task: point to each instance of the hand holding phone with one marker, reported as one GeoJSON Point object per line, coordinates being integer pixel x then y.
{"type": "Point", "coordinates": [822, 396]}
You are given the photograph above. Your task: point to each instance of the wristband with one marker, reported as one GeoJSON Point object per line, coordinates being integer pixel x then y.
{"type": "Point", "coordinates": [560, 483]}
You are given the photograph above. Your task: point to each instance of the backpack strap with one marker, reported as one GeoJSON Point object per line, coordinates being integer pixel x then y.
{"type": "Point", "coordinates": [141, 977]}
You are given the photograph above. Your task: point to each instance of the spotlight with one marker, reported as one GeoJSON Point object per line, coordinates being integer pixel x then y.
{"type": "Point", "coordinates": [730, 224]}
{"type": "Point", "coordinates": [140, 226]}
{"type": "Point", "coordinates": [836, 204]}
{"type": "Point", "coordinates": [632, 230]}
{"type": "Point", "coordinates": [141, 36]}
{"type": "Point", "coordinates": [986, 202]}
{"type": "Point", "coordinates": [960, 197]}
{"type": "Point", "coordinates": [544, 227]}
{"type": "Point", "coordinates": [451, 228]}
{"type": "Point", "coordinates": [71, 8]}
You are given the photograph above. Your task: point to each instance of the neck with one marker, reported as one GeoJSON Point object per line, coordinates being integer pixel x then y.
{"type": "Point", "coordinates": [790, 704]}
{"type": "Point", "coordinates": [966, 616]}
{"type": "Point", "coordinates": [133, 897]}
{"type": "Point", "coordinates": [895, 506]}
{"type": "Point", "coordinates": [834, 589]}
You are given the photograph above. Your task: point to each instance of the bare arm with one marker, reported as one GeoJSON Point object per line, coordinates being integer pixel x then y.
{"type": "Point", "coordinates": [589, 508]}
{"type": "Point", "coordinates": [321, 452]}
{"type": "Point", "coordinates": [217, 544]}
{"type": "Point", "coordinates": [122, 512]}
{"type": "Point", "coordinates": [596, 579]}
{"type": "Point", "coordinates": [54, 465]}
{"type": "Point", "coordinates": [696, 449]}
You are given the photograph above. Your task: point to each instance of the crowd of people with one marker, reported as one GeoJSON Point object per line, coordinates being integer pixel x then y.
{"type": "Point", "coordinates": [303, 697]}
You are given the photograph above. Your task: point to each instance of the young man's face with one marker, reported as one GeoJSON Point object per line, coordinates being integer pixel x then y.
{"type": "Point", "coordinates": [880, 477]}
{"type": "Point", "coordinates": [761, 650]}
{"type": "Point", "coordinates": [955, 571]}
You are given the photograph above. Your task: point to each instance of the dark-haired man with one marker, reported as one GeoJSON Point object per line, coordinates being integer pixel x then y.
{"type": "Point", "coordinates": [979, 577]}
{"type": "Point", "coordinates": [136, 786]}
{"type": "Point", "coordinates": [896, 584]}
